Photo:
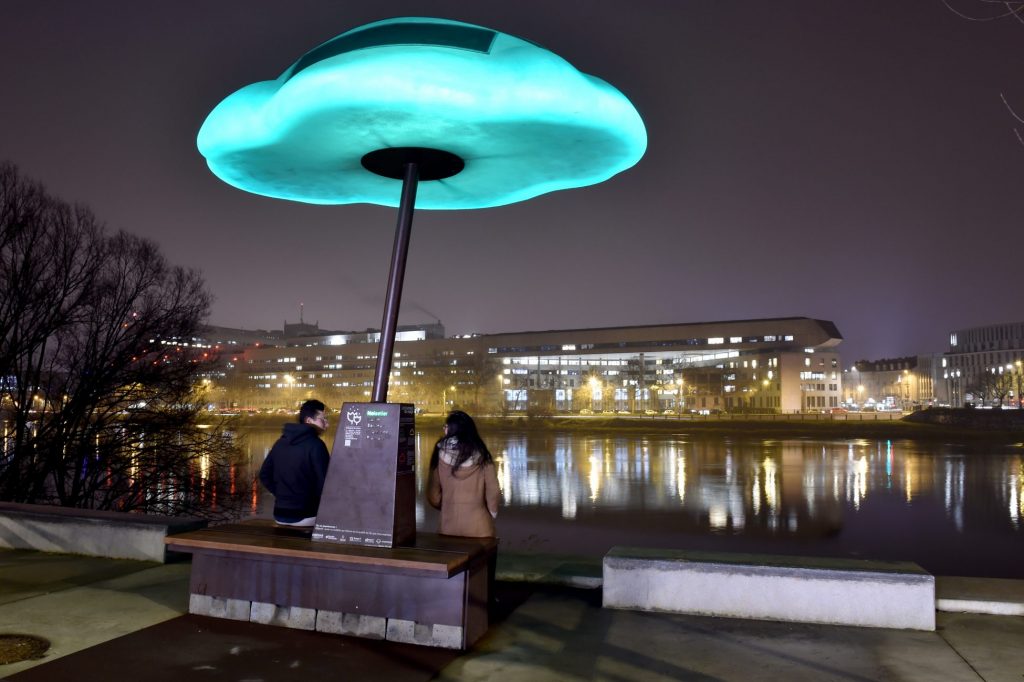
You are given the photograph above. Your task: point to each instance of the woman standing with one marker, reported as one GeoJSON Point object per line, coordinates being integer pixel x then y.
{"type": "Point", "coordinates": [463, 482]}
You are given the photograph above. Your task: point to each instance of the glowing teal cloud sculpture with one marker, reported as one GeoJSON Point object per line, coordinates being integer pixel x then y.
{"type": "Point", "coordinates": [521, 120]}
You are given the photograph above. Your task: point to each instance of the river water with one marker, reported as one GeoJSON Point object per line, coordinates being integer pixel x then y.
{"type": "Point", "coordinates": [953, 509]}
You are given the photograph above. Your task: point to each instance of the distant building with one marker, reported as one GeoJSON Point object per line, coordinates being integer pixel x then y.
{"type": "Point", "coordinates": [758, 366]}
{"type": "Point", "coordinates": [229, 337]}
{"type": "Point", "coordinates": [984, 365]}
{"type": "Point", "coordinates": [892, 383]}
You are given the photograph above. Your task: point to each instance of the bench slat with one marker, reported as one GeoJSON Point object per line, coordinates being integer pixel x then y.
{"type": "Point", "coordinates": [441, 564]}
{"type": "Point", "coordinates": [424, 541]}
{"type": "Point", "coordinates": [437, 556]}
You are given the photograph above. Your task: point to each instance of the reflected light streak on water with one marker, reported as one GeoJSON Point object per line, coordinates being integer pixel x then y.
{"type": "Point", "coordinates": [1016, 488]}
{"type": "Point", "coordinates": [770, 491]}
{"type": "Point", "coordinates": [928, 502]}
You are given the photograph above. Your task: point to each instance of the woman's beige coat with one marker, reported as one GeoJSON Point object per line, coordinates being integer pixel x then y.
{"type": "Point", "coordinates": [467, 497]}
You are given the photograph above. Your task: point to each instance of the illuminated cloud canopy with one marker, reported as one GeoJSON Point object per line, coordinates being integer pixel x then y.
{"type": "Point", "coordinates": [523, 120]}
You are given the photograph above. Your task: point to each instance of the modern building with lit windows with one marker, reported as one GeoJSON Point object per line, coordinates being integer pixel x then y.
{"type": "Point", "coordinates": [984, 365]}
{"type": "Point", "coordinates": [781, 365]}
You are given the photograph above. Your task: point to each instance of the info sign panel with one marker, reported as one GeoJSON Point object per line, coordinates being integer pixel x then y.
{"type": "Point", "coordinates": [369, 497]}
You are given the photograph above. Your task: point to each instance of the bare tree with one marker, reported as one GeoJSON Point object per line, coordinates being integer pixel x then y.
{"type": "Point", "coordinates": [993, 10]}
{"type": "Point", "coordinates": [99, 367]}
{"type": "Point", "coordinates": [991, 387]}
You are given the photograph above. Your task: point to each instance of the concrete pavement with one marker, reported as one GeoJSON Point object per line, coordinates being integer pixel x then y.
{"type": "Point", "coordinates": [108, 617]}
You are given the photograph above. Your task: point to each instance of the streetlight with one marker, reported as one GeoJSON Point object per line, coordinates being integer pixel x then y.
{"type": "Point", "coordinates": [444, 398]}
{"type": "Point", "coordinates": [501, 393]}
{"type": "Point", "coordinates": [289, 381]}
{"type": "Point", "coordinates": [1020, 403]}
{"type": "Point", "coordinates": [679, 398]}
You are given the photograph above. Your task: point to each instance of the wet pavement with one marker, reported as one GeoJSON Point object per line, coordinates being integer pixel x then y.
{"type": "Point", "coordinates": [123, 620]}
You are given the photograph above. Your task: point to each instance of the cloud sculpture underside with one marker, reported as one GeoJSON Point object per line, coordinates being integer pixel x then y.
{"type": "Point", "coordinates": [524, 121]}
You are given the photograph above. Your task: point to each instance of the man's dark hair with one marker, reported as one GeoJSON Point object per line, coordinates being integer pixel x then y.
{"type": "Point", "coordinates": [309, 410]}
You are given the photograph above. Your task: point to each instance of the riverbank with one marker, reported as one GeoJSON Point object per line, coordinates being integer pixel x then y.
{"type": "Point", "coordinates": [942, 424]}
{"type": "Point", "coordinates": [750, 427]}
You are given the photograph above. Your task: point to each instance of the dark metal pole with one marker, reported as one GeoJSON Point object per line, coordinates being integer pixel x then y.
{"type": "Point", "coordinates": [389, 324]}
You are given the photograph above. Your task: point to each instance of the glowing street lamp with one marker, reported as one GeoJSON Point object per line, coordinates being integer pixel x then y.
{"type": "Point", "coordinates": [444, 398]}
{"type": "Point", "coordinates": [679, 401]}
{"type": "Point", "coordinates": [479, 117]}
{"type": "Point", "coordinates": [1020, 400]}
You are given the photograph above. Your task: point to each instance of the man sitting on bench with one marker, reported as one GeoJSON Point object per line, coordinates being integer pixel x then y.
{"type": "Point", "coordinates": [295, 469]}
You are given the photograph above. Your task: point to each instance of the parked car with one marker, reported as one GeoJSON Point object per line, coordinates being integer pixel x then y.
{"type": "Point", "coordinates": [585, 411]}
{"type": "Point", "coordinates": [650, 412]}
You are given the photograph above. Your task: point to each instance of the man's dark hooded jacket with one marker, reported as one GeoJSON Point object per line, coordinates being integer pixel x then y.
{"type": "Point", "coordinates": [295, 470]}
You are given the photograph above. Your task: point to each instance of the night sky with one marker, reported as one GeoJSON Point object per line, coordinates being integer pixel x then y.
{"type": "Point", "coordinates": [844, 161]}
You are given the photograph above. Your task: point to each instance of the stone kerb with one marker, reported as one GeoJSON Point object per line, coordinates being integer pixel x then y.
{"type": "Point", "coordinates": [334, 622]}
{"type": "Point", "coordinates": [767, 587]}
{"type": "Point", "coordinates": [116, 535]}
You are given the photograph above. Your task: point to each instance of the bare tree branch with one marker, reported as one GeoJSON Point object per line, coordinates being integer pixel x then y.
{"type": "Point", "coordinates": [98, 369]}
{"type": "Point", "coordinates": [1012, 9]}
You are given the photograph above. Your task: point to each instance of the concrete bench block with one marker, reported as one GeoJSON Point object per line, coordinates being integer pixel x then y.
{"type": "Point", "coordinates": [411, 632]}
{"type": "Point", "coordinates": [284, 616]}
{"type": "Point", "coordinates": [216, 607]}
{"type": "Point", "coordinates": [768, 587]}
{"type": "Point", "coordinates": [356, 624]}
{"type": "Point", "coordinates": [116, 535]}
{"type": "Point", "coordinates": [994, 596]}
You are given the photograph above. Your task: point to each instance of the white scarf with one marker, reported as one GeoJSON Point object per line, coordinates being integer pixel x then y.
{"type": "Point", "coordinates": [449, 454]}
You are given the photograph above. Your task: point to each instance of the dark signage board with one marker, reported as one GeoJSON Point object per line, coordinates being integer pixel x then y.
{"type": "Point", "coordinates": [369, 497]}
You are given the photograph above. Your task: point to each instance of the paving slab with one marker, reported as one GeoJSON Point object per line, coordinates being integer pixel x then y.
{"type": "Point", "coordinates": [992, 645]}
{"type": "Point", "coordinates": [106, 617]}
{"type": "Point", "coordinates": [202, 648]}
{"type": "Point", "coordinates": [76, 618]}
{"type": "Point", "coordinates": [28, 573]}
{"type": "Point", "coordinates": [550, 569]}
{"type": "Point", "coordinates": [566, 636]}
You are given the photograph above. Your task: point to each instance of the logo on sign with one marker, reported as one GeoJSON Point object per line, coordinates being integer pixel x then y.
{"type": "Point", "coordinates": [353, 417]}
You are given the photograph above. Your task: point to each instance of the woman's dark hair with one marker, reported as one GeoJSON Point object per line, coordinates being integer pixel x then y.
{"type": "Point", "coordinates": [462, 429]}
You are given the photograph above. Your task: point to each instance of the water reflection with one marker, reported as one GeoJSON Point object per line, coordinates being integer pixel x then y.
{"type": "Point", "coordinates": [949, 509]}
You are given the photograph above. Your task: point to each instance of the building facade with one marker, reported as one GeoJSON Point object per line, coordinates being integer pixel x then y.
{"type": "Point", "coordinates": [748, 366]}
{"type": "Point", "coordinates": [905, 383]}
{"type": "Point", "coordinates": [983, 366]}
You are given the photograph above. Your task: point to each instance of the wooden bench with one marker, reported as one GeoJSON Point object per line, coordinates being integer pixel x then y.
{"type": "Point", "coordinates": [837, 591]}
{"type": "Point", "coordinates": [433, 593]}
